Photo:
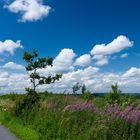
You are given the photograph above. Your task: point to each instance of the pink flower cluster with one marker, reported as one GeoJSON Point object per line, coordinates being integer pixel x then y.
{"type": "Point", "coordinates": [81, 106]}
{"type": "Point", "coordinates": [129, 113]}
{"type": "Point", "coordinates": [134, 115]}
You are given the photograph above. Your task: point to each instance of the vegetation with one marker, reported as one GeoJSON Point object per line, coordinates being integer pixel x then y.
{"type": "Point", "coordinates": [31, 100]}
{"type": "Point", "coordinates": [114, 95]}
{"type": "Point", "coordinates": [72, 117]}
{"type": "Point", "coordinates": [34, 62]}
{"type": "Point", "coordinates": [76, 87]}
{"type": "Point", "coordinates": [83, 89]}
{"type": "Point", "coordinates": [87, 95]}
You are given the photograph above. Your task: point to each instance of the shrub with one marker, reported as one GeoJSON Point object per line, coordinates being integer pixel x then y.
{"type": "Point", "coordinates": [126, 100]}
{"type": "Point", "coordinates": [87, 95]}
{"type": "Point", "coordinates": [76, 87]}
{"type": "Point", "coordinates": [114, 96]}
{"type": "Point", "coordinates": [27, 103]}
{"type": "Point", "coordinates": [83, 89]}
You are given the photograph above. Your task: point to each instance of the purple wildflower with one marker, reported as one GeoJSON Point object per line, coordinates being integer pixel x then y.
{"type": "Point", "coordinates": [80, 107]}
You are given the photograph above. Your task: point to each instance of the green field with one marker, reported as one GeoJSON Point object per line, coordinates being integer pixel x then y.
{"type": "Point", "coordinates": [72, 117]}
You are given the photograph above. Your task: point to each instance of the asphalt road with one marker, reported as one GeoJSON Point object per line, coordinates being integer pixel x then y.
{"type": "Point", "coordinates": [5, 134]}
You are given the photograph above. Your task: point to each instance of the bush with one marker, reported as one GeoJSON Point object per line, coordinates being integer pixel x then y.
{"type": "Point", "coordinates": [87, 95]}
{"type": "Point", "coordinates": [126, 100]}
{"type": "Point", "coordinates": [114, 96]}
{"type": "Point", "coordinates": [24, 105]}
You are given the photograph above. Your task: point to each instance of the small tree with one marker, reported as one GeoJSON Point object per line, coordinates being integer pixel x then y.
{"type": "Point", "coordinates": [114, 95]}
{"type": "Point", "coordinates": [83, 89]}
{"type": "Point", "coordinates": [31, 100]}
{"type": "Point", "coordinates": [76, 87]}
{"type": "Point", "coordinates": [87, 95]}
{"type": "Point", "coordinates": [34, 62]}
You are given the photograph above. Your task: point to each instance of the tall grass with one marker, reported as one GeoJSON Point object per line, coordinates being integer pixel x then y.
{"type": "Point", "coordinates": [22, 131]}
{"type": "Point", "coordinates": [68, 117]}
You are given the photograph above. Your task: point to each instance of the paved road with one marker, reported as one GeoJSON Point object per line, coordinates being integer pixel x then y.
{"type": "Point", "coordinates": [5, 134]}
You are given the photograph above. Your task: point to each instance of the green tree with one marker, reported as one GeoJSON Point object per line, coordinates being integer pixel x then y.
{"type": "Point", "coordinates": [76, 87]}
{"type": "Point", "coordinates": [34, 62]}
{"type": "Point", "coordinates": [83, 89]}
{"type": "Point", "coordinates": [87, 95]}
{"type": "Point", "coordinates": [31, 99]}
{"type": "Point", "coordinates": [114, 95]}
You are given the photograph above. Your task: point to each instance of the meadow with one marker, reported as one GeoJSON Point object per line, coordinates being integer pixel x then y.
{"type": "Point", "coordinates": [72, 117]}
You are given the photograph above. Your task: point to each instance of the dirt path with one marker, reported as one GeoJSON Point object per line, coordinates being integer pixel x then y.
{"type": "Point", "coordinates": [5, 134]}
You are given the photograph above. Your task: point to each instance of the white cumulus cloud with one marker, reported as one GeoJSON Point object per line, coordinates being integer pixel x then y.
{"type": "Point", "coordinates": [9, 46]}
{"type": "Point", "coordinates": [83, 60]}
{"type": "Point", "coordinates": [132, 72]}
{"type": "Point", "coordinates": [31, 10]}
{"type": "Point", "coordinates": [12, 65]}
{"type": "Point", "coordinates": [100, 60]}
{"type": "Point", "coordinates": [92, 77]}
{"type": "Point", "coordinates": [64, 61]}
{"type": "Point", "coordinates": [97, 81]}
{"type": "Point", "coordinates": [117, 45]}
{"type": "Point", "coordinates": [102, 52]}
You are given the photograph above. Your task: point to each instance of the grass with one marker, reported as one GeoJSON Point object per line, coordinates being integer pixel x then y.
{"type": "Point", "coordinates": [69, 117]}
{"type": "Point", "coordinates": [16, 126]}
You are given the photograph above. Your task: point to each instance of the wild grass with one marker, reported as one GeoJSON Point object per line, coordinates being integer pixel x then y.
{"type": "Point", "coordinates": [71, 117]}
{"type": "Point", "coordinates": [23, 132]}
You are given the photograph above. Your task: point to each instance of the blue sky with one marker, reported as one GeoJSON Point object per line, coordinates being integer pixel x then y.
{"type": "Point", "coordinates": [78, 26]}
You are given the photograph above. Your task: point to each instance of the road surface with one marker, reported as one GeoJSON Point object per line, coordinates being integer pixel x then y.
{"type": "Point", "coordinates": [5, 134]}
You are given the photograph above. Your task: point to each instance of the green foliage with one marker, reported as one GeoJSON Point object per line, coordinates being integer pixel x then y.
{"type": "Point", "coordinates": [51, 122]}
{"type": "Point", "coordinates": [125, 100]}
{"type": "Point", "coordinates": [114, 95]}
{"type": "Point", "coordinates": [34, 62]}
{"type": "Point", "coordinates": [76, 87]}
{"type": "Point", "coordinates": [120, 129]}
{"type": "Point", "coordinates": [87, 95]}
{"type": "Point", "coordinates": [100, 102]}
{"type": "Point", "coordinates": [23, 132]}
{"type": "Point", "coordinates": [11, 96]}
{"type": "Point", "coordinates": [83, 89]}
{"type": "Point", "coordinates": [25, 105]}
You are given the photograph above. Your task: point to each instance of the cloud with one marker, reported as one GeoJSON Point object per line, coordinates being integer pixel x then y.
{"type": "Point", "coordinates": [4, 75]}
{"type": "Point", "coordinates": [64, 61]}
{"type": "Point", "coordinates": [132, 72]}
{"type": "Point", "coordinates": [83, 60]}
{"type": "Point", "coordinates": [9, 46]}
{"type": "Point", "coordinates": [14, 66]}
{"type": "Point", "coordinates": [117, 45]}
{"type": "Point", "coordinates": [92, 77]}
{"type": "Point", "coordinates": [125, 55]}
{"type": "Point", "coordinates": [13, 82]}
{"type": "Point", "coordinates": [30, 10]}
{"type": "Point", "coordinates": [102, 52]}
{"type": "Point", "coordinates": [97, 81]}
{"type": "Point", "coordinates": [70, 78]}
{"type": "Point", "coordinates": [100, 60]}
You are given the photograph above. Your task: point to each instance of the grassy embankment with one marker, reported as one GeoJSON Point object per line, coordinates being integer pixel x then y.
{"type": "Point", "coordinates": [68, 117]}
